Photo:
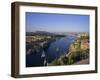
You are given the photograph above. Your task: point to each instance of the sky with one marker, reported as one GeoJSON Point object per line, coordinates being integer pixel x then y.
{"type": "Point", "coordinates": [52, 22]}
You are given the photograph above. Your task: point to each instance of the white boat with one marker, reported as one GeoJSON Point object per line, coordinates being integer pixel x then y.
{"type": "Point", "coordinates": [43, 54]}
{"type": "Point", "coordinates": [45, 61]}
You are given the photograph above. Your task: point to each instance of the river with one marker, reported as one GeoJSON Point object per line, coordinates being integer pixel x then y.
{"type": "Point", "coordinates": [55, 50]}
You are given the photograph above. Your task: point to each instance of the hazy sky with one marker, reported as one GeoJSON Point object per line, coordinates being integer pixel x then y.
{"type": "Point", "coordinates": [56, 22]}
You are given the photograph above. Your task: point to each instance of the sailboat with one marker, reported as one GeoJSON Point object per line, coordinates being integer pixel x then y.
{"type": "Point", "coordinates": [43, 54]}
{"type": "Point", "coordinates": [45, 62]}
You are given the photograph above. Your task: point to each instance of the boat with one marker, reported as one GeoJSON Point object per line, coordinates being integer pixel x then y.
{"type": "Point", "coordinates": [43, 54]}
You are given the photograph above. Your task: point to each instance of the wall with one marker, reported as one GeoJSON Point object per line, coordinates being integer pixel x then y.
{"type": "Point", "coordinates": [5, 40]}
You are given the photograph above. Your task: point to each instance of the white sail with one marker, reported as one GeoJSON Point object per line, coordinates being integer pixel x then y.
{"type": "Point", "coordinates": [45, 61]}
{"type": "Point", "coordinates": [43, 54]}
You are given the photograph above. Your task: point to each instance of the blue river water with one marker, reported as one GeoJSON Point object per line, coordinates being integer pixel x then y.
{"type": "Point", "coordinates": [55, 50]}
{"type": "Point", "coordinates": [59, 47]}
